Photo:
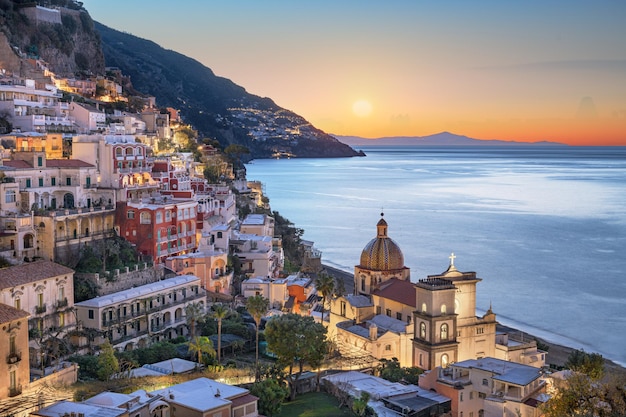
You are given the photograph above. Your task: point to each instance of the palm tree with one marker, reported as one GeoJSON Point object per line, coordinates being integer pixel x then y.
{"type": "Point", "coordinates": [257, 306]}
{"type": "Point", "coordinates": [193, 314]}
{"type": "Point", "coordinates": [219, 312]}
{"type": "Point", "coordinates": [325, 284]}
{"type": "Point", "coordinates": [200, 345]}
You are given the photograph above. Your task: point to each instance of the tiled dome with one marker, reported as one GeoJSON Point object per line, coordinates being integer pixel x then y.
{"type": "Point", "coordinates": [382, 253]}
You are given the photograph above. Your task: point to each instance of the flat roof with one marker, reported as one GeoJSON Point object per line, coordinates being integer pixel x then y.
{"type": "Point", "coordinates": [201, 394]}
{"type": "Point", "coordinates": [505, 371]}
{"type": "Point", "coordinates": [138, 292]}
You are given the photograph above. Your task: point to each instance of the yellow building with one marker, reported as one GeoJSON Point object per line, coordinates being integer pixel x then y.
{"type": "Point", "coordinates": [428, 323]}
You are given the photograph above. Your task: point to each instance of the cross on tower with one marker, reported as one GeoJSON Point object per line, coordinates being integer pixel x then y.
{"type": "Point", "coordinates": [452, 258]}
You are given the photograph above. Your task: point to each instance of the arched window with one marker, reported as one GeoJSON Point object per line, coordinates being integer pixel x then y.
{"type": "Point", "coordinates": [129, 151]}
{"type": "Point", "coordinates": [423, 330]}
{"type": "Point", "coordinates": [145, 218]}
{"type": "Point", "coordinates": [443, 309]}
{"type": "Point", "coordinates": [444, 331]}
{"type": "Point", "coordinates": [118, 151]}
{"type": "Point", "coordinates": [444, 361]}
{"type": "Point", "coordinates": [423, 307]}
{"type": "Point", "coordinates": [362, 284]}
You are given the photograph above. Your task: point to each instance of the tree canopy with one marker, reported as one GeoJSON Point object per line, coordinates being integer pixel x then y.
{"type": "Point", "coordinates": [296, 340]}
{"type": "Point", "coordinates": [591, 364]}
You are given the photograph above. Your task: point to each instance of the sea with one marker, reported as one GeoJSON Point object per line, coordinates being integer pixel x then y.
{"type": "Point", "coordinates": [543, 226]}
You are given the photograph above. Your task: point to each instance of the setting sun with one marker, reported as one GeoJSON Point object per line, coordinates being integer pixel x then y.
{"type": "Point", "coordinates": [362, 108]}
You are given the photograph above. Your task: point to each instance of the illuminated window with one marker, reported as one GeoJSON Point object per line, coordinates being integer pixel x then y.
{"type": "Point", "coordinates": [444, 360]}
{"type": "Point", "coordinates": [443, 309]}
{"type": "Point", "coordinates": [423, 307]}
{"type": "Point", "coordinates": [423, 330]}
{"type": "Point", "coordinates": [444, 332]}
{"type": "Point", "coordinates": [145, 218]}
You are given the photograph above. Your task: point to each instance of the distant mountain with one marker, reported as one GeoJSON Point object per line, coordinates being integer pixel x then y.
{"type": "Point", "coordinates": [438, 139]}
{"type": "Point", "coordinates": [215, 106]}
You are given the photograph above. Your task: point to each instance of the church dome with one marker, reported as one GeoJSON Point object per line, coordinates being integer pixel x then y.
{"type": "Point", "coordinates": [382, 253]}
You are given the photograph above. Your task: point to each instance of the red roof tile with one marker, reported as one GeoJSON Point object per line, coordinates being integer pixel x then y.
{"type": "Point", "coordinates": [17, 163]}
{"type": "Point", "coordinates": [31, 272]}
{"type": "Point", "coordinates": [67, 163]}
{"type": "Point", "coordinates": [8, 313]}
{"type": "Point", "coordinates": [398, 290]}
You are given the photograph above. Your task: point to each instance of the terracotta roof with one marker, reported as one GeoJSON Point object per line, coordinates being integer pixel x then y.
{"type": "Point", "coordinates": [246, 399]}
{"type": "Point", "coordinates": [8, 313]}
{"type": "Point", "coordinates": [17, 163]}
{"type": "Point", "coordinates": [67, 163]}
{"type": "Point", "coordinates": [31, 272]}
{"type": "Point", "coordinates": [398, 290]}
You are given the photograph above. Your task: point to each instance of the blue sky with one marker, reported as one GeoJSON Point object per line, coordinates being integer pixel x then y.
{"type": "Point", "coordinates": [488, 69]}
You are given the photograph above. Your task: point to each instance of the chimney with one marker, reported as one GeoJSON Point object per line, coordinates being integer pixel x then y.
{"type": "Point", "coordinates": [373, 332]}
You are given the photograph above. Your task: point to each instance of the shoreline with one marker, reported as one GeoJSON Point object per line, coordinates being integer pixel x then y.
{"type": "Point", "coordinates": [557, 353]}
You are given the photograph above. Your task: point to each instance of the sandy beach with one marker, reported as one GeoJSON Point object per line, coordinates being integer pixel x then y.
{"type": "Point", "coordinates": [557, 354]}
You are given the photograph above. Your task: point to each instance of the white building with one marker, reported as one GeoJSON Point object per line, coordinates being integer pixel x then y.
{"type": "Point", "coordinates": [489, 387]}
{"type": "Point", "coordinates": [141, 315]}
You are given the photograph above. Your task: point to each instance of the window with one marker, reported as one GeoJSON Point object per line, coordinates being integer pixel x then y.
{"type": "Point", "coordinates": [423, 307]}
{"type": "Point", "coordinates": [27, 182]}
{"type": "Point", "coordinates": [399, 316]}
{"type": "Point", "coordinates": [118, 151]}
{"type": "Point", "coordinates": [90, 312]}
{"type": "Point", "coordinates": [343, 308]}
{"type": "Point", "coordinates": [10, 196]}
{"type": "Point", "coordinates": [40, 182]}
{"type": "Point", "coordinates": [145, 218]}
{"type": "Point", "coordinates": [423, 330]}
{"type": "Point", "coordinates": [68, 181]}
{"type": "Point", "coordinates": [480, 330]}
{"type": "Point", "coordinates": [130, 214]}
{"type": "Point", "coordinates": [362, 284]}
{"type": "Point", "coordinates": [378, 309]}
{"type": "Point", "coordinates": [408, 319]}
{"type": "Point", "coordinates": [12, 380]}
{"type": "Point", "coordinates": [421, 362]}
{"type": "Point", "coordinates": [387, 347]}
{"type": "Point", "coordinates": [443, 310]}
{"type": "Point", "coordinates": [88, 182]}
{"type": "Point", "coordinates": [444, 361]}
{"type": "Point", "coordinates": [461, 396]}
{"type": "Point", "coordinates": [40, 300]}
{"type": "Point", "coordinates": [62, 319]}
{"type": "Point", "coordinates": [40, 161]}
{"type": "Point", "coordinates": [61, 293]}
{"type": "Point", "coordinates": [388, 312]}
{"type": "Point", "coordinates": [17, 304]}
{"type": "Point", "coordinates": [159, 217]}
{"type": "Point", "coordinates": [219, 235]}
{"type": "Point", "coordinates": [12, 345]}
{"type": "Point", "coordinates": [443, 331]}
{"type": "Point", "coordinates": [53, 181]}
{"type": "Point", "coordinates": [168, 215]}
{"type": "Point", "coordinates": [485, 382]}
{"type": "Point", "coordinates": [471, 395]}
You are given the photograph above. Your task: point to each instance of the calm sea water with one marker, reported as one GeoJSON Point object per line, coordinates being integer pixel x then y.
{"type": "Point", "coordinates": [545, 228]}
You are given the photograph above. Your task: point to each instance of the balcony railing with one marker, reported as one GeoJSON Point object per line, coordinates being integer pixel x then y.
{"type": "Point", "coordinates": [40, 309]}
{"type": "Point", "coordinates": [60, 304]}
{"type": "Point", "coordinates": [15, 391]}
{"type": "Point", "coordinates": [14, 357]}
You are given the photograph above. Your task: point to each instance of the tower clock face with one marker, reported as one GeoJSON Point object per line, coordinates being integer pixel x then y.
{"type": "Point", "coordinates": [457, 306]}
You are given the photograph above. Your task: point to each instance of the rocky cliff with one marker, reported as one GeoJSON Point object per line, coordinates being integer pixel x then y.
{"type": "Point", "coordinates": [63, 36]}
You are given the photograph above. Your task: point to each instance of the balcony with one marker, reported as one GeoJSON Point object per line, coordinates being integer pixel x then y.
{"type": "Point", "coordinates": [40, 309]}
{"type": "Point", "coordinates": [60, 304]}
{"type": "Point", "coordinates": [15, 391]}
{"type": "Point", "coordinates": [14, 357]}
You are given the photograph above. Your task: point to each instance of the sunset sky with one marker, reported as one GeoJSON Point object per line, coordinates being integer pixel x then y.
{"type": "Point", "coordinates": [533, 70]}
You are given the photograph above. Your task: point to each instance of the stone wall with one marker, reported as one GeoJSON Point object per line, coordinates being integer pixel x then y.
{"type": "Point", "coordinates": [120, 280]}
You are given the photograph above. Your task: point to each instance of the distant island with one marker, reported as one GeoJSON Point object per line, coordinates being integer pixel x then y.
{"type": "Point", "coordinates": [438, 139]}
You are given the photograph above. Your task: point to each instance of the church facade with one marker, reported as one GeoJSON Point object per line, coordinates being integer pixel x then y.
{"type": "Point", "coordinates": [428, 323]}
